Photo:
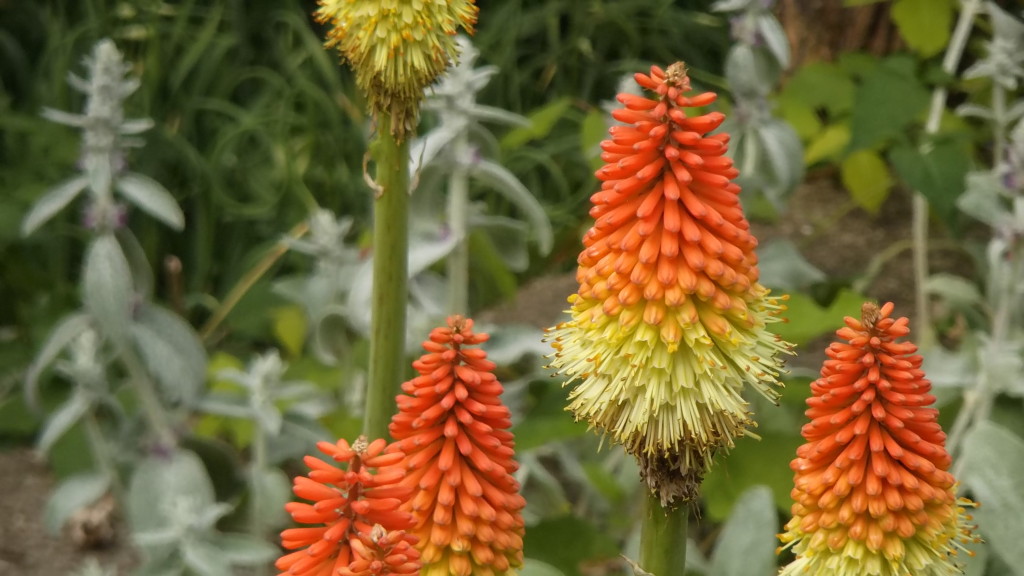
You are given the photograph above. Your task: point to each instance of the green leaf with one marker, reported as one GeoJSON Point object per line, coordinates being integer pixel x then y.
{"type": "Point", "coordinates": [828, 145]}
{"type": "Point", "coordinates": [750, 463]}
{"type": "Point", "coordinates": [937, 169]}
{"type": "Point", "coordinates": [821, 85]}
{"type": "Point", "coordinates": [924, 24]}
{"type": "Point", "coordinates": [866, 175]}
{"type": "Point", "coordinates": [162, 480]}
{"type": "Point", "coordinates": [274, 490]}
{"type": "Point", "coordinates": [593, 131]}
{"type": "Point", "coordinates": [993, 465]}
{"type": "Point", "coordinates": [107, 287]}
{"type": "Point", "coordinates": [71, 495]}
{"type": "Point", "coordinates": [290, 327]}
{"type": "Point", "coordinates": [542, 120]}
{"type": "Point", "coordinates": [566, 541]}
{"type": "Point", "coordinates": [151, 197]}
{"type": "Point", "coordinates": [52, 202]}
{"type": "Point", "coordinates": [806, 320]}
{"type": "Point", "coordinates": [746, 546]}
{"type": "Point", "coordinates": [889, 99]}
{"type": "Point", "coordinates": [205, 559]}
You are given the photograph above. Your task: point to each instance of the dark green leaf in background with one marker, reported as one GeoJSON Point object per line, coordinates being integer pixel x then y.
{"type": "Point", "coordinates": [889, 99]}
{"type": "Point", "coordinates": [937, 169]}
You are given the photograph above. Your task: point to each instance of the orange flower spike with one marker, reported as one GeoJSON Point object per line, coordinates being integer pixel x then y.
{"type": "Point", "coordinates": [453, 426]}
{"type": "Point", "coordinates": [872, 493]}
{"type": "Point", "coordinates": [383, 553]}
{"type": "Point", "coordinates": [349, 503]}
{"type": "Point", "coordinates": [669, 323]}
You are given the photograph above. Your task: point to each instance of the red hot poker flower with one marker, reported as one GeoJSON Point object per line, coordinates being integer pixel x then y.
{"type": "Point", "coordinates": [347, 504]}
{"type": "Point", "coordinates": [453, 426]}
{"type": "Point", "coordinates": [383, 553]}
{"type": "Point", "coordinates": [873, 493]}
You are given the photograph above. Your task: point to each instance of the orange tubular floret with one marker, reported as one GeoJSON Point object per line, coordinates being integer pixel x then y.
{"type": "Point", "coordinates": [464, 462]}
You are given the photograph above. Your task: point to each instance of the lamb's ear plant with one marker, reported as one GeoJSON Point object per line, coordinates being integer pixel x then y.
{"type": "Point", "coordinates": [134, 366]}
{"type": "Point", "coordinates": [986, 369]}
{"type": "Point", "coordinates": [459, 147]}
{"type": "Point", "coordinates": [765, 148]}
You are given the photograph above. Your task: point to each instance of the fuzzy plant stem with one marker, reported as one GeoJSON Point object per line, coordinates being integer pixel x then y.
{"type": "Point", "coordinates": [663, 538]}
{"type": "Point", "coordinates": [258, 466]}
{"type": "Point", "coordinates": [458, 225]}
{"type": "Point", "coordinates": [390, 278]}
{"type": "Point", "coordinates": [145, 390]}
{"type": "Point", "coordinates": [919, 222]}
{"type": "Point", "coordinates": [979, 398]}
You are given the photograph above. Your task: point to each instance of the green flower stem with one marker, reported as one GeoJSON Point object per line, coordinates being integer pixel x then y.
{"type": "Point", "coordinates": [919, 217]}
{"type": "Point", "coordinates": [390, 278]}
{"type": "Point", "coordinates": [101, 452]}
{"type": "Point", "coordinates": [257, 466]}
{"type": "Point", "coordinates": [663, 539]}
{"type": "Point", "coordinates": [458, 224]}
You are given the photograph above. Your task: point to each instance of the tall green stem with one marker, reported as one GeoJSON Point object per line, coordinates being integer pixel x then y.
{"type": "Point", "coordinates": [145, 390]}
{"type": "Point", "coordinates": [919, 221]}
{"type": "Point", "coordinates": [458, 224]}
{"type": "Point", "coordinates": [390, 278]}
{"type": "Point", "coordinates": [663, 539]}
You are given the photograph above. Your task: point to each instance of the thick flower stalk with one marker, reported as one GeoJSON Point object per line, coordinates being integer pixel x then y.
{"type": "Point", "coordinates": [670, 321]}
{"type": "Point", "coordinates": [359, 528]}
{"type": "Point", "coordinates": [396, 48]}
{"type": "Point", "coordinates": [453, 427]}
{"type": "Point", "coordinates": [873, 493]}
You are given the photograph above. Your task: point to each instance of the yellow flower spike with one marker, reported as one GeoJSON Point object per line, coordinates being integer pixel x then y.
{"type": "Point", "coordinates": [397, 48]}
{"type": "Point", "coordinates": [669, 298]}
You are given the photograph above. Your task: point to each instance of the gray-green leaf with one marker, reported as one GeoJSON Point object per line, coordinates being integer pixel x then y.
{"type": "Point", "coordinates": [71, 495]}
{"type": "Point", "coordinates": [62, 420]}
{"type": "Point", "coordinates": [172, 351]}
{"type": "Point", "coordinates": [503, 181]}
{"type": "Point", "coordinates": [107, 287]}
{"type": "Point", "coordinates": [993, 464]}
{"type": "Point", "coordinates": [53, 202]}
{"type": "Point", "coordinates": [62, 335]}
{"type": "Point", "coordinates": [747, 544]}
{"type": "Point", "coordinates": [151, 197]}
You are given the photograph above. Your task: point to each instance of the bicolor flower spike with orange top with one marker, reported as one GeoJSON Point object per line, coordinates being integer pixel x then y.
{"type": "Point", "coordinates": [670, 321]}
{"type": "Point", "coordinates": [453, 426]}
{"type": "Point", "coordinates": [873, 493]}
{"type": "Point", "coordinates": [350, 506]}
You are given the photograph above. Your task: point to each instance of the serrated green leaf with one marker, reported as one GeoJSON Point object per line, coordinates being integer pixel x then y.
{"type": "Point", "coordinates": [107, 287]}
{"type": "Point", "coordinates": [889, 99]}
{"type": "Point", "coordinates": [52, 202]}
{"type": "Point", "coordinates": [821, 85]}
{"type": "Point", "coordinates": [936, 169]}
{"type": "Point", "coordinates": [867, 178]}
{"type": "Point", "coordinates": [924, 24]}
{"type": "Point", "coordinates": [993, 464]}
{"type": "Point", "coordinates": [71, 495]}
{"type": "Point", "coordinates": [152, 198]}
{"type": "Point", "coordinates": [746, 546]}
{"type": "Point", "coordinates": [828, 145]}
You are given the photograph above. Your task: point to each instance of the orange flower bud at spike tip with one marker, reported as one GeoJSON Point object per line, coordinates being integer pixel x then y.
{"type": "Point", "coordinates": [356, 508]}
{"type": "Point", "coordinates": [452, 424]}
{"type": "Point", "coordinates": [873, 493]}
{"type": "Point", "coordinates": [669, 323]}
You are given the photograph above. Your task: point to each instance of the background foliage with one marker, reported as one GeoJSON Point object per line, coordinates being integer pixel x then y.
{"type": "Point", "coordinates": [258, 127]}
